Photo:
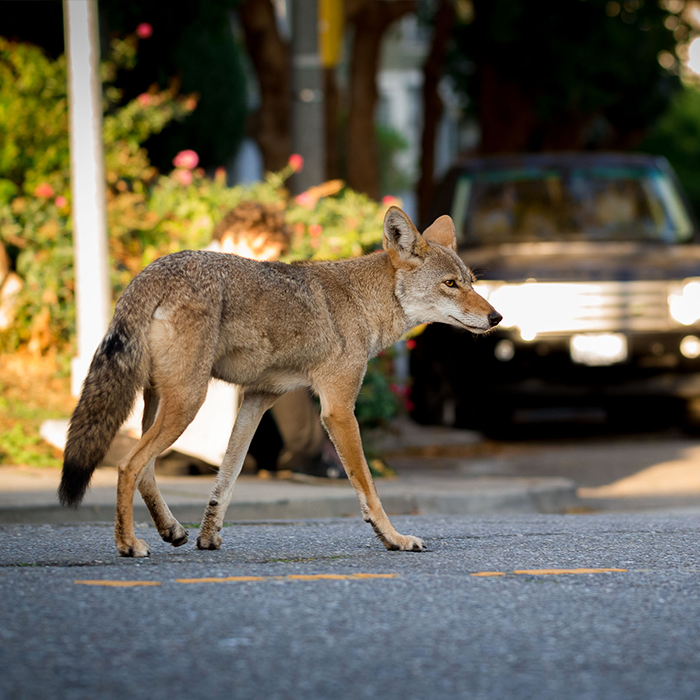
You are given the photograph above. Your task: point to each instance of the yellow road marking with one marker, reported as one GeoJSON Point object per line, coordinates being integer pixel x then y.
{"type": "Point", "coordinates": [551, 572]}
{"type": "Point", "coordinates": [335, 577]}
{"type": "Point", "coordinates": [118, 584]}
{"type": "Point", "coordinates": [544, 572]}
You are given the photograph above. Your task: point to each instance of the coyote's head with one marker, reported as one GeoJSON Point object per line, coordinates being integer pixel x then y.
{"type": "Point", "coordinates": [432, 283]}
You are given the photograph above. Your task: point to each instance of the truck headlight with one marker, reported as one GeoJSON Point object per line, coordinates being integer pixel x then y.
{"type": "Point", "coordinates": [690, 347]}
{"type": "Point", "coordinates": [685, 306]}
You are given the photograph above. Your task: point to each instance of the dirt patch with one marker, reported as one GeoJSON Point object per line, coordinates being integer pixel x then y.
{"type": "Point", "coordinates": [33, 388]}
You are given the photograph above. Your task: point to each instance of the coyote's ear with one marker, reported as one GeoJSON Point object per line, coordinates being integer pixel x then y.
{"type": "Point", "coordinates": [442, 231]}
{"type": "Point", "coordinates": [401, 238]}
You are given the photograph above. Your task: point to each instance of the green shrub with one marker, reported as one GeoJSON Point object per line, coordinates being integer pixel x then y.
{"type": "Point", "coordinates": [35, 221]}
{"type": "Point", "coordinates": [676, 135]}
{"type": "Point", "coordinates": [148, 215]}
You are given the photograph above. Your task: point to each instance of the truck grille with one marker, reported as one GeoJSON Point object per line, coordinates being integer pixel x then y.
{"type": "Point", "coordinates": [562, 307]}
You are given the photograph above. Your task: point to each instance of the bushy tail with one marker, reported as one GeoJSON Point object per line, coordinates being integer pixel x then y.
{"type": "Point", "coordinates": [117, 372]}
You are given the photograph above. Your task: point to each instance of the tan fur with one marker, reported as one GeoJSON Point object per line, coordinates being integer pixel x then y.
{"type": "Point", "coordinates": [269, 327]}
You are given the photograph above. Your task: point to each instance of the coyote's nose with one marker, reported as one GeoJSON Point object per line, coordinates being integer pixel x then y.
{"type": "Point", "coordinates": [495, 318]}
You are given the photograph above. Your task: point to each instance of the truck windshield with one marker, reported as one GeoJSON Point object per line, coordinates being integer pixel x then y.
{"type": "Point", "coordinates": [599, 203]}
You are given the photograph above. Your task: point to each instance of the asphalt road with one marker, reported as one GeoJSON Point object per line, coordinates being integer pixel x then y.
{"type": "Point", "coordinates": [318, 609]}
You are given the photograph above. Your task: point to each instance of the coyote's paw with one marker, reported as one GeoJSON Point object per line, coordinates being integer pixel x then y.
{"type": "Point", "coordinates": [136, 548]}
{"type": "Point", "coordinates": [209, 541]}
{"type": "Point", "coordinates": [405, 543]}
{"type": "Point", "coordinates": [175, 534]}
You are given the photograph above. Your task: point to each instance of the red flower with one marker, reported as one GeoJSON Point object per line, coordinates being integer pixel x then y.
{"type": "Point", "coordinates": [60, 201]}
{"type": "Point", "coordinates": [296, 162]}
{"type": "Point", "coordinates": [186, 159]}
{"type": "Point", "coordinates": [410, 344]}
{"type": "Point", "coordinates": [144, 30]}
{"type": "Point", "coordinates": [144, 99]}
{"type": "Point", "coordinates": [389, 200]}
{"type": "Point", "coordinates": [43, 190]}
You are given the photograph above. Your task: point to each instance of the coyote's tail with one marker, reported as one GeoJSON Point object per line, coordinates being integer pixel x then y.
{"type": "Point", "coordinates": [117, 371]}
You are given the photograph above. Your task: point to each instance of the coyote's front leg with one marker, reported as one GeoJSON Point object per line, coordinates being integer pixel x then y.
{"type": "Point", "coordinates": [339, 419]}
{"type": "Point", "coordinates": [248, 417]}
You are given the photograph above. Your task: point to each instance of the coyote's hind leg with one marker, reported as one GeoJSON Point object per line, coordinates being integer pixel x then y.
{"type": "Point", "coordinates": [249, 414]}
{"type": "Point", "coordinates": [177, 409]}
{"type": "Point", "coordinates": [168, 527]}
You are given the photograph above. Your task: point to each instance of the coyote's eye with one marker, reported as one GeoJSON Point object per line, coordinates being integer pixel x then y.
{"type": "Point", "coordinates": [450, 283]}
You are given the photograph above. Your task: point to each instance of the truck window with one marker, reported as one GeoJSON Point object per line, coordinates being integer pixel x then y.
{"type": "Point", "coordinates": [582, 203]}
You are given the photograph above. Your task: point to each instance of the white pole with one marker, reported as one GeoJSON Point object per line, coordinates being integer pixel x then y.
{"type": "Point", "coordinates": [308, 112]}
{"type": "Point", "coordinates": [87, 181]}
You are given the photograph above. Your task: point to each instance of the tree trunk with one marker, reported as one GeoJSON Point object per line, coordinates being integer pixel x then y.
{"type": "Point", "coordinates": [370, 19]}
{"type": "Point", "coordinates": [432, 103]}
{"type": "Point", "coordinates": [271, 127]}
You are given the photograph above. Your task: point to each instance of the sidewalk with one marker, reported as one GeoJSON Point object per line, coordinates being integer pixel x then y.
{"type": "Point", "coordinates": [424, 485]}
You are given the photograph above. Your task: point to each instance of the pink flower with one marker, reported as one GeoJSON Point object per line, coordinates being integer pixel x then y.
{"type": "Point", "coordinates": [305, 200]}
{"type": "Point", "coordinates": [183, 176]}
{"type": "Point", "coordinates": [144, 30]}
{"type": "Point", "coordinates": [296, 162]}
{"type": "Point", "coordinates": [43, 190]}
{"type": "Point", "coordinates": [60, 201]}
{"type": "Point", "coordinates": [186, 159]}
{"type": "Point", "coordinates": [315, 230]}
{"type": "Point", "coordinates": [144, 99]}
{"type": "Point", "coordinates": [389, 201]}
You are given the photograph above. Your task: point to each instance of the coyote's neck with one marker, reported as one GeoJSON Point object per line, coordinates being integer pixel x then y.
{"type": "Point", "coordinates": [371, 280]}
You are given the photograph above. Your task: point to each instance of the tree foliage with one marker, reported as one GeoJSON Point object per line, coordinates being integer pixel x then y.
{"type": "Point", "coordinates": [676, 135]}
{"type": "Point", "coordinates": [193, 50]}
{"type": "Point", "coordinates": [563, 73]}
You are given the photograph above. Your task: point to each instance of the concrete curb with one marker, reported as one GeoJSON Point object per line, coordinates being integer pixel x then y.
{"type": "Point", "coordinates": [290, 501]}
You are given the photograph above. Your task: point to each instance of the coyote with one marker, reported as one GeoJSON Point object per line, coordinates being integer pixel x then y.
{"type": "Point", "coordinates": [269, 327]}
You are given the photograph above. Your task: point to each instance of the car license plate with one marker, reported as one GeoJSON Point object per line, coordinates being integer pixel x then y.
{"type": "Point", "coordinates": [598, 350]}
